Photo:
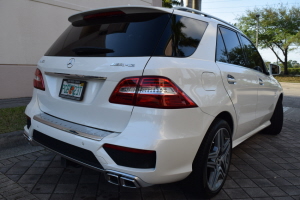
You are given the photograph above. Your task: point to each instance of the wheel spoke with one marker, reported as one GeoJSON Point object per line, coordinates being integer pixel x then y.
{"type": "Point", "coordinates": [226, 144]}
{"type": "Point", "coordinates": [222, 173]}
{"type": "Point", "coordinates": [212, 177]}
{"type": "Point", "coordinates": [213, 155]}
{"type": "Point", "coordinates": [211, 164]}
{"type": "Point", "coordinates": [216, 178]}
{"type": "Point", "coordinates": [224, 157]}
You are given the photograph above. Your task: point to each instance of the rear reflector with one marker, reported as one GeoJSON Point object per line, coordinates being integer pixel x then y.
{"type": "Point", "coordinates": [104, 14]}
{"type": "Point", "coordinates": [150, 91]}
{"type": "Point", "coordinates": [38, 81]}
{"type": "Point", "coordinates": [120, 148]}
{"type": "Point", "coordinates": [129, 157]}
{"type": "Point", "coordinates": [28, 122]}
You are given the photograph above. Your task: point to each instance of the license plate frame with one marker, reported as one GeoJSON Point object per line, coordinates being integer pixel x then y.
{"type": "Point", "coordinates": [72, 89]}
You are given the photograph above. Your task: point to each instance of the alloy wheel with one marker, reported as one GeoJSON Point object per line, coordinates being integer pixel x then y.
{"type": "Point", "coordinates": [218, 159]}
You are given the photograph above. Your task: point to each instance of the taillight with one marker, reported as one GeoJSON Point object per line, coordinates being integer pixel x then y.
{"type": "Point", "coordinates": [150, 91]}
{"type": "Point", "coordinates": [38, 81]}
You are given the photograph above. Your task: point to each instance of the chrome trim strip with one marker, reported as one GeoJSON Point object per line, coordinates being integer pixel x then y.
{"type": "Point", "coordinates": [76, 129]}
{"type": "Point", "coordinates": [76, 76]}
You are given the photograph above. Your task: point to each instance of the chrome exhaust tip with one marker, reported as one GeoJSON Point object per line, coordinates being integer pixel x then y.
{"type": "Point", "coordinates": [120, 179]}
{"type": "Point", "coordinates": [26, 136]}
{"type": "Point", "coordinates": [112, 178]}
{"type": "Point", "coordinates": [129, 183]}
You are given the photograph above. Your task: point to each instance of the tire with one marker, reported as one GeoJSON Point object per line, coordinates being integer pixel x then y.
{"type": "Point", "coordinates": [276, 120]}
{"type": "Point", "coordinates": [211, 164]}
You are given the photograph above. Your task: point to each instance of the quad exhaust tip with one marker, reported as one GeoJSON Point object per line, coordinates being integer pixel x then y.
{"type": "Point", "coordinates": [116, 179]}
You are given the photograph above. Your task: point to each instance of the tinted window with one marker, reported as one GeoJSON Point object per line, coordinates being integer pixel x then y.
{"type": "Point", "coordinates": [234, 51]}
{"type": "Point", "coordinates": [128, 35]}
{"type": "Point", "coordinates": [131, 35]}
{"type": "Point", "coordinates": [254, 59]}
{"type": "Point", "coordinates": [221, 53]}
{"type": "Point", "coordinates": [181, 37]}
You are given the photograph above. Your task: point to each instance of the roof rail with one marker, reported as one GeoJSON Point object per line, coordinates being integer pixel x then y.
{"type": "Point", "coordinates": [187, 9]}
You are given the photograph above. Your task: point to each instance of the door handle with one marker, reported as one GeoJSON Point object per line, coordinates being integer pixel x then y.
{"type": "Point", "coordinates": [231, 79]}
{"type": "Point", "coordinates": [260, 82]}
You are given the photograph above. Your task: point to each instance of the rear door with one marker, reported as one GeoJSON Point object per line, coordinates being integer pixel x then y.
{"type": "Point", "coordinates": [240, 82]}
{"type": "Point", "coordinates": [98, 50]}
{"type": "Point", "coordinates": [267, 89]}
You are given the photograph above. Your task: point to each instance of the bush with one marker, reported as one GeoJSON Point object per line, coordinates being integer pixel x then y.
{"type": "Point", "coordinates": [294, 71]}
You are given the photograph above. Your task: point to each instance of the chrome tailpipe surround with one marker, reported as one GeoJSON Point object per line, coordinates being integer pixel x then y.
{"type": "Point", "coordinates": [122, 179]}
{"type": "Point", "coordinates": [29, 139]}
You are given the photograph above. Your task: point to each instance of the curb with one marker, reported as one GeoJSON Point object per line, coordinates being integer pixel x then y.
{"type": "Point", "coordinates": [12, 139]}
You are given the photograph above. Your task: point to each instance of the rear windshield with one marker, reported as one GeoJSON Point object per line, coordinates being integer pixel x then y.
{"type": "Point", "coordinates": [150, 34]}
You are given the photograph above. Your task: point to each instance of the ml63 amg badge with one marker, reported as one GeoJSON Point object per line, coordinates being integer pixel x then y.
{"type": "Point", "coordinates": [122, 64]}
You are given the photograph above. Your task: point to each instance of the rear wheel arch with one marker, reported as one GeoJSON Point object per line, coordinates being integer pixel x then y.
{"type": "Point", "coordinates": [226, 116]}
{"type": "Point", "coordinates": [280, 97]}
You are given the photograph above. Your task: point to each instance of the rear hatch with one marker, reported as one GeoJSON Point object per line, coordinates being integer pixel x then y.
{"type": "Point", "coordinates": [84, 65]}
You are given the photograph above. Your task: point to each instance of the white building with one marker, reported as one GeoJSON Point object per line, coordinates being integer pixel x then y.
{"type": "Point", "coordinates": [27, 30]}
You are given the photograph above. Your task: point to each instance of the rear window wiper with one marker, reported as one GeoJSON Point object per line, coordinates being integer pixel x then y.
{"type": "Point", "coordinates": [91, 50]}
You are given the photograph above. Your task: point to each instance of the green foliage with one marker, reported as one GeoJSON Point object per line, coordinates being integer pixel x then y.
{"type": "Point", "coordinates": [170, 3]}
{"type": "Point", "coordinates": [294, 71]}
{"type": "Point", "coordinates": [279, 29]}
{"type": "Point", "coordinates": [12, 119]}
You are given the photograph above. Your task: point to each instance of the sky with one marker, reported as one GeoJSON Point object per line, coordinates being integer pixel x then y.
{"type": "Point", "coordinates": [229, 10]}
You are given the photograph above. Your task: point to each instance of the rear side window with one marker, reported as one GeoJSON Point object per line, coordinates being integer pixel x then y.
{"type": "Point", "coordinates": [181, 37]}
{"type": "Point", "coordinates": [150, 34]}
{"type": "Point", "coordinates": [253, 57]}
{"type": "Point", "coordinates": [235, 53]}
{"type": "Point", "coordinates": [221, 53]}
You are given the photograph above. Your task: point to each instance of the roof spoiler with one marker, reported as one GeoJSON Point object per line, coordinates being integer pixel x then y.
{"type": "Point", "coordinates": [124, 9]}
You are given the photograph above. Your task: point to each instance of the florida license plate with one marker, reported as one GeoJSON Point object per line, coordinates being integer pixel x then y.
{"type": "Point", "coordinates": [72, 89]}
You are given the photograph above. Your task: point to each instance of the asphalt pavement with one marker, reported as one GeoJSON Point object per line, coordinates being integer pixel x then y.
{"type": "Point", "coordinates": [263, 167]}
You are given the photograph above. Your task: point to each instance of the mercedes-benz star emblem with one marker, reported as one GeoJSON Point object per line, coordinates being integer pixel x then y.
{"type": "Point", "coordinates": [71, 63]}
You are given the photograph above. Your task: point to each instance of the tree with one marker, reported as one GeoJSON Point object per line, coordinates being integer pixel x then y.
{"type": "Point", "coordinates": [279, 28]}
{"type": "Point", "coordinates": [170, 3]}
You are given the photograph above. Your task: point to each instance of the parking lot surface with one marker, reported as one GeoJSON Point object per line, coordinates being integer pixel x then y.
{"type": "Point", "coordinates": [263, 167]}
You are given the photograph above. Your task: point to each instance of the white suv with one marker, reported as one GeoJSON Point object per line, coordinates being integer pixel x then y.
{"type": "Point", "coordinates": [151, 95]}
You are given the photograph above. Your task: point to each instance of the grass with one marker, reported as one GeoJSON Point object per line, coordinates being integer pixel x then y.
{"type": "Point", "coordinates": [12, 119]}
{"type": "Point", "coordinates": [289, 79]}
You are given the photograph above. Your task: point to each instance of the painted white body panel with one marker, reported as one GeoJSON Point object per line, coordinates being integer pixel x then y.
{"type": "Point", "coordinates": [175, 134]}
{"type": "Point", "coordinates": [95, 108]}
{"type": "Point", "coordinates": [243, 95]}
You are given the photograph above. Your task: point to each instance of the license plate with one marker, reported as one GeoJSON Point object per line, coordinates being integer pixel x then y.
{"type": "Point", "coordinates": [72, 89]}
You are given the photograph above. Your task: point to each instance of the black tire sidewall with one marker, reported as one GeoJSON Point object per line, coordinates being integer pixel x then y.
{"type": "Point", "coordinates": [200, 162]}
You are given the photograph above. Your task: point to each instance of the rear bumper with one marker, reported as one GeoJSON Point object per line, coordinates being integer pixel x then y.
{"type": "Point", "coordinates": [114, 177]}
{"type": "Point", "coordinates": [174, 134]}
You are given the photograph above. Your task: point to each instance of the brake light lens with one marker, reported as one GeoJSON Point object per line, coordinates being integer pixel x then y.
{"type": "Point", "coordinates": [104, 14]}
{"type": "Point", "coordinates": [38, 81]}
{"type": "Point", "coordinates": [150, 91]}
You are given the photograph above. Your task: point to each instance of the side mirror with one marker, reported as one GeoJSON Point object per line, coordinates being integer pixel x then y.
{"type": "Point", "coordinates": [274, 69]}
